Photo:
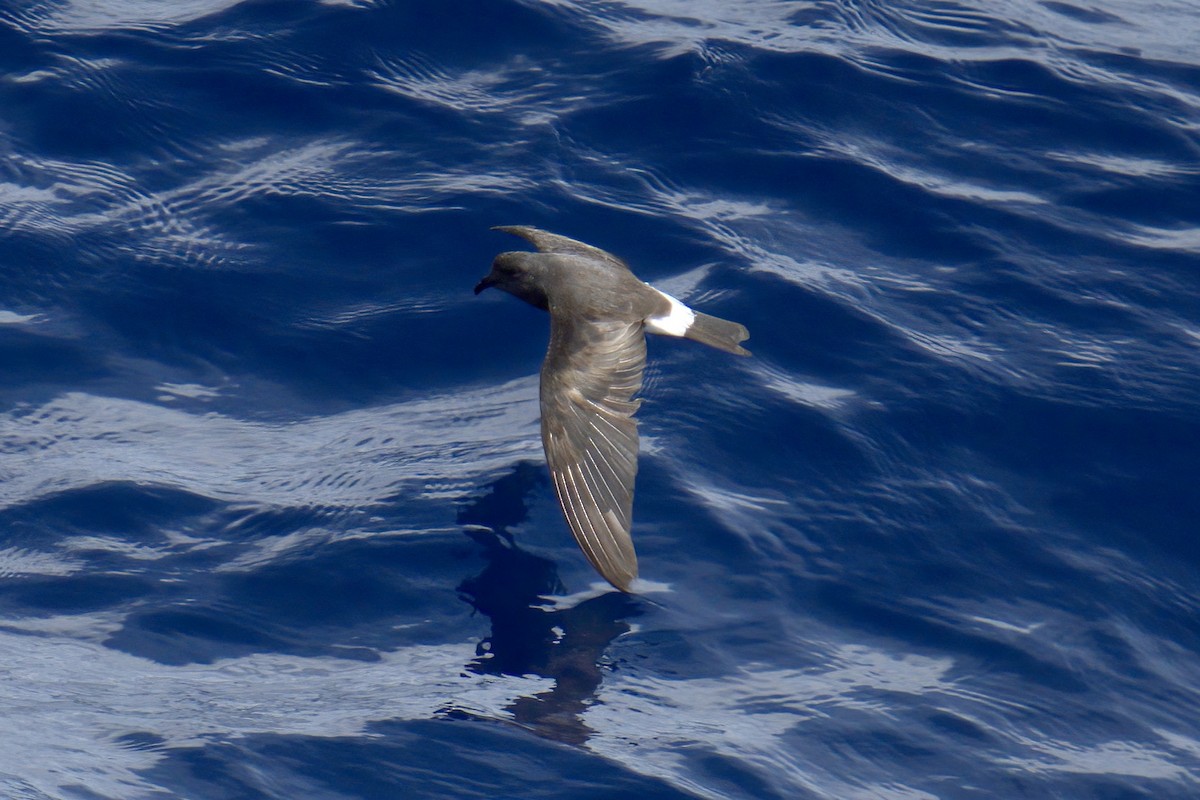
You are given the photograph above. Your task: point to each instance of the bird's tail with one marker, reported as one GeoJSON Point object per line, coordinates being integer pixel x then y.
{"type": "Point", "coordinates": [719, 333]}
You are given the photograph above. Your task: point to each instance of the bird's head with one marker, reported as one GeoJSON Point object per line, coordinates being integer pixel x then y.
{"type": "Point", "coordinates": [519, 274]}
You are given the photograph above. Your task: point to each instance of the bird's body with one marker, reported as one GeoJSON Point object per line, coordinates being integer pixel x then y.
{"type": "Point", "coordinates": [599, 313]}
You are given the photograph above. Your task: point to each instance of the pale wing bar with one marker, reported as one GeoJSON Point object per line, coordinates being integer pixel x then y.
{"type": "Point", "coordinates": [590, 375]}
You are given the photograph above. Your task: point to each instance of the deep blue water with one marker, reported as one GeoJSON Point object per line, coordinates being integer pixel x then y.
{"type": "Point", "coordinates": [274, 521]}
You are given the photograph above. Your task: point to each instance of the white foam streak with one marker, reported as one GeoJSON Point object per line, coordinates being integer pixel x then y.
{"type": "Point", "coordinates": [79, 16]}
{"type": "Point", "coordinates": [67, 702]}
{"type": "Point", "coordinates": [729, 716]}
{"type": "Point", "coordinates": [425, 448]}
{"type": "Point", "coordinates": [1160, 30]}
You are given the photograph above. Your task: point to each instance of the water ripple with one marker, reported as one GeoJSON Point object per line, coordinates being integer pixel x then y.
{"type": "Point", "coordinates": [353, 460]}
{"type": "Point", "coordinates": [264, 520]}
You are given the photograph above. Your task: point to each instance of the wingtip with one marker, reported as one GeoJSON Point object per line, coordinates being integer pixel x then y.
{"type": "Point", "coordinates": [622, 581]}
{"type": "Point", "coordinates": [618, 568]}
{"type": "Point", "coordinates": [515, 230]}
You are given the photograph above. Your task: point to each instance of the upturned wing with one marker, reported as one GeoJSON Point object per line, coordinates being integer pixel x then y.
{"type": "Point", "coordinates": [589, 377]}
{"type": "Point", "coordinates": [547, 242]}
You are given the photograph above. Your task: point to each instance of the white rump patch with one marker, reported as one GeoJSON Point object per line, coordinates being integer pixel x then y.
{"type": "Point", "coordinates": [675, 322]}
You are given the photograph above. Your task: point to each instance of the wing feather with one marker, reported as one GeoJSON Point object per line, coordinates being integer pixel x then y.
{"type": "Point", "coordinates": [547, 242]}
{"type": "Point", "coordinates": [591, 373]}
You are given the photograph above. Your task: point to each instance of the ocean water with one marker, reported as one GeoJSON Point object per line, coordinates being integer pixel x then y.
{"type": "Point", "coordinates": [274, 521]}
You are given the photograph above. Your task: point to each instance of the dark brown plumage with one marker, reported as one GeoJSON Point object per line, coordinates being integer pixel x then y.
{"type": "Point", "coordinates": [599, 313]}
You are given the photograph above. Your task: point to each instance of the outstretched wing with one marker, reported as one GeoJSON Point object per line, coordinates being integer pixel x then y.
{"type": "Point", "coordinates": [591, 372]}
{"type": "Point", "coordinates": [547, 242]}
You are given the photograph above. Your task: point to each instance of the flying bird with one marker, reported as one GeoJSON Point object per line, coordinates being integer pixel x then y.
{"type": "Point", "coordinates": [599, 315]}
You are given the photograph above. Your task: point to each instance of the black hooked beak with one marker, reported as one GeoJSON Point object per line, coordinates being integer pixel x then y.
{"type": "Point", "coordinates": [484, 284]}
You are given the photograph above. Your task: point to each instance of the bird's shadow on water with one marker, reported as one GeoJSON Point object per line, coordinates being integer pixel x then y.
{"type": "Point", "coordinates": [528, 637]}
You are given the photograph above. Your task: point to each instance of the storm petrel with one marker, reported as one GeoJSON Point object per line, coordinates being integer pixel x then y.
{"type": "Point", "coordinates": [599, 313]}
